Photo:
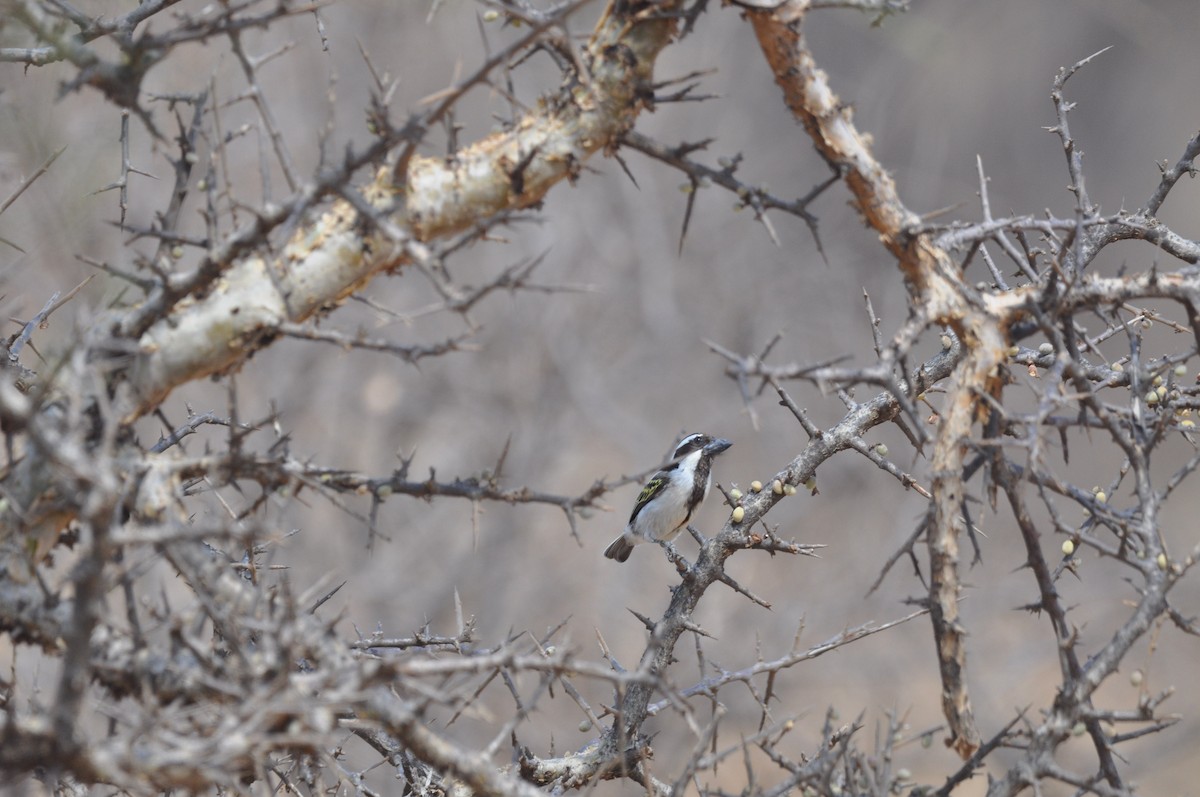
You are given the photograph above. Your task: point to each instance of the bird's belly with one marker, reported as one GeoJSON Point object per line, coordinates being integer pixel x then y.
{"type": "Point", "coordinates": [662, 520]}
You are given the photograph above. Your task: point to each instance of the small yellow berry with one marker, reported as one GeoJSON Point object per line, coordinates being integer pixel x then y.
{"type": "Point", "coordinates": [1158, 380]}
{"type": "Point", "coordinates": [881, 450]}
{"type": "Point", "coordinates": [1161, 561]}
{"type": "Point", "coordinates": [1152, 397]}
{"type": "Point", "coordinates": [777, 487]}
{"type": "Point", "coordinates": [1101, 497]}
{"type": "Point", "coordinates": [738, 514]}
{"type": "Point", "coordinates": [1136, 677]}
{"type": "Point", "coordinates": [735, 493]}
{"type": "Point", "coordinates": [1013, 351]}
{"type": "Point", "coordinates": [1189, 424]}
{"type": "Point", "coordinates": [1181, 370]}
{"type": "Point", "coordinates": [811, 484]}
{"type": "Point", "coordinates": [1118, 366]}
{"type": "Point", "coordinates": [789, 489]}
{"type": "Point", "coordinates": [1068, 547]}
{"type": "Point", "coordinates": [947, 342]}
{"type": "Point", "coordinates": [756, 486]}
{"type": "Point", "coordinates": [1162, 392]}
{"type": "Point", "coordinates": [585, 726]}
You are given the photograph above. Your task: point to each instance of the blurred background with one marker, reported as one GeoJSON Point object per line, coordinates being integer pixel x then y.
{"type": "Point", "coordinates": [598, 383]}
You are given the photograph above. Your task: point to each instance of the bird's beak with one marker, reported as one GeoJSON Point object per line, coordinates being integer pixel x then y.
{"type": "Point", "coordinates": [717, 446]}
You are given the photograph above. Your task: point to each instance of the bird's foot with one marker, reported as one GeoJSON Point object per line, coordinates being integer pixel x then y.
{"type": "Point", "coordinates": [676, 558]}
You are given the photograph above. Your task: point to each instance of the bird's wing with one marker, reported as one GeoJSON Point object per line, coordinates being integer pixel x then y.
{"type": "Point", "coordinates": [658, 482]}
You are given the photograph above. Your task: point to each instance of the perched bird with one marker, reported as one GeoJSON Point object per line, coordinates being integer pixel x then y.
{"type": "Point", "coordinates": [671, 496]}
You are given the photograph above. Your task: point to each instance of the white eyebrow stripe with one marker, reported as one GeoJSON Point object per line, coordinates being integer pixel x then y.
{"type": "Point", "coordinates": [685, 445]}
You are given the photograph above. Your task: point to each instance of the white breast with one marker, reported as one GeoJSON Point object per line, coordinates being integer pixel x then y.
{"type": "Point", "coordinates": [663, 517]}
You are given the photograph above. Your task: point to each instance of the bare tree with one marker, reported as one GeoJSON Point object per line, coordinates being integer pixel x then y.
{"type": "Point", "coordinates": [150, 578]}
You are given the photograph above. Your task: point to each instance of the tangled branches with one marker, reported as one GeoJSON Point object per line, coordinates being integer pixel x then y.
{"type": "Point", "coordinates": [222, 675]}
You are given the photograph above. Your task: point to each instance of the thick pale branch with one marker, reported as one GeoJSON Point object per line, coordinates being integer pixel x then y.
{"type": "Point", "coordinates": [981, 320]}
{"type": "Point", "coordinates": [937, 289]}
{"type": "Point", "coordinates": [332, 257]}
{"type": "Point", "coordinates": [515, 168]}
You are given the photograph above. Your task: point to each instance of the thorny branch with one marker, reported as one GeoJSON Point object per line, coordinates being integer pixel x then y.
{"type": "Point", "coordinates": [244, 682]}
{"type": "Point", "coordinates": [987, 321]}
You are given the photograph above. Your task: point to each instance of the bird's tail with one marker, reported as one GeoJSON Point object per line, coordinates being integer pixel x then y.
{"type": "Point", "coordinates": [619, 549]}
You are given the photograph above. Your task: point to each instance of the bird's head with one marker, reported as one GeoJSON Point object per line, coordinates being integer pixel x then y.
{"type": "Point", "coordinates": [710, 446]}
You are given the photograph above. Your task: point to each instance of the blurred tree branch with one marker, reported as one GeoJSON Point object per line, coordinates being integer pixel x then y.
{"type": "Point", "coordinates": [983, 321]}
{"type": "Point", "coordinates": [246, 686]}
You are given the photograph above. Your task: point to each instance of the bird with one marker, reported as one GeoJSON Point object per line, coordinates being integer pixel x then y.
{"type": "Point", "coordinates": [671, 495]}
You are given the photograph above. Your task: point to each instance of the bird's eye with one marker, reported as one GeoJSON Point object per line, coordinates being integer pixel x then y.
{"type": "Point", "coordinates": [693, 442]}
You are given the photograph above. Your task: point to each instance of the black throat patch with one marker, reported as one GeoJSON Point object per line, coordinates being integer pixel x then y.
{"type": "Point", "coordinates": [699, 485]}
